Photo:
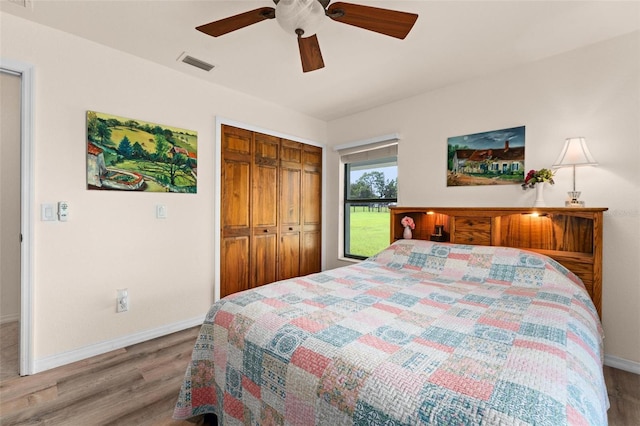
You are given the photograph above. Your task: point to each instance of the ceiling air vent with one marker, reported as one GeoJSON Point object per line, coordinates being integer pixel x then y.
{"type": "Point", "coordinates": [195, 62]}
{"type": "Point", "coordinates": [24, 3]}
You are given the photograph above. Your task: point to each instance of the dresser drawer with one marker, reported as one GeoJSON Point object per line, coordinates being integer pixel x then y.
{"type": "Point", "coordinates": [472, 230]}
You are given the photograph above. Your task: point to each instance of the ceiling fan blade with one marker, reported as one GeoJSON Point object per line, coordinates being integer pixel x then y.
{"type": "Point", "coordinates": [310, 53]}
{"type": "Point", "coordinates": [384, 21]}
{"type": "Point", "coordinates": [235, 22]}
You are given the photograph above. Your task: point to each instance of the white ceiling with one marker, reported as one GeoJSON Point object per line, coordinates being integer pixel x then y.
{"type": "Point", "coordinates": [452, 41]}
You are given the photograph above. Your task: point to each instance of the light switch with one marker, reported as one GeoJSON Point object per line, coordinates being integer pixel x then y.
{"type": "Point", "coordinates": [47, 212]}
{"type": "Point", "coordinates": [161, 211]}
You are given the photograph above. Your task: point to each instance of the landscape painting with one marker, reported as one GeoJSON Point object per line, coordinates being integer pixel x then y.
{"type": "Point", "coordinates": [125, 154]}
{"type": "Point", "coordinates": [487, 158]}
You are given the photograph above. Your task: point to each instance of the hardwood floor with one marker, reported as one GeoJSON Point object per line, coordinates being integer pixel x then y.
{"type": "Point", "coordinates": [624, 395]}
{"type": "Point", "coordinates": [139, 385]}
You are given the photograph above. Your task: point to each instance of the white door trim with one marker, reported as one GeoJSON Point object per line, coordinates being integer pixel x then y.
{"type": "Point", "coordinates": [26, 72]}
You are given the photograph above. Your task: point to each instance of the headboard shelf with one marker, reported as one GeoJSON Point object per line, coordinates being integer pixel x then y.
{"type": "Point", "coordinates": [571, 236]}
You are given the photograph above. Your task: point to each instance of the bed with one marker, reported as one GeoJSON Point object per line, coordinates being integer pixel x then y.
{"type": "Point", "coordinates": [421, 333]}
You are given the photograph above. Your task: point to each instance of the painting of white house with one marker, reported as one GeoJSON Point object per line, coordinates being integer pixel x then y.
{"type": "Point", "coordinates": [124, 154]}
{"type": "Point", "coordinates": [488, 158]}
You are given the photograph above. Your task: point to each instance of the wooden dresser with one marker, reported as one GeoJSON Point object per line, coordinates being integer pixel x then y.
{"type": "Point", "coordinates": [571, 236]}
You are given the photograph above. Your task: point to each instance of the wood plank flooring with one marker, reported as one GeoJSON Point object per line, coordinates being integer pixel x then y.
{"type": "Point", "coordinates": [139, 385]}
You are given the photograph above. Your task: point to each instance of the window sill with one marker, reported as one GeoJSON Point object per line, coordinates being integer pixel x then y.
{"type": "Point", "coordinates": [349, 259]}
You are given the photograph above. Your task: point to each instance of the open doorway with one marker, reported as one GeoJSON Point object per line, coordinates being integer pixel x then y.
{"type": "Point", "coordinates": [16, 223]}
{"type": "Point", "coordinates": [10, 107]}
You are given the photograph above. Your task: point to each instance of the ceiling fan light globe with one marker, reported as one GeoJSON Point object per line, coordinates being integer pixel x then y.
{"type": "Point", "coordinates": [307, 15]}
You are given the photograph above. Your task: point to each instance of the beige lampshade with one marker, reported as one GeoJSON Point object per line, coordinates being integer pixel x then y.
{"type": "Point", "coordinates": [575, 153]}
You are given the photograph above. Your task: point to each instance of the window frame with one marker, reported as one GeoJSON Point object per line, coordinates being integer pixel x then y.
{"type": "Point", "coordinates": [347, 201]}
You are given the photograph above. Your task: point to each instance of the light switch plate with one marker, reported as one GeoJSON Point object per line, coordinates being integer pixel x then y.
{"type": "Point", "coordinates": [47, 212]}
{"type": "Point", "coordinates": [161, 211]}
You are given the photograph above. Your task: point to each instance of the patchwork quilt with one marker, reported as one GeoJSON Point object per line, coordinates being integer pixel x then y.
{"type": "Point", "coordinates": [421, 333]}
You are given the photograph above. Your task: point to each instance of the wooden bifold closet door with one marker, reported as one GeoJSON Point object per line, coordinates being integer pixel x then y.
{"type": "Point", "coordinates": [271, 209]}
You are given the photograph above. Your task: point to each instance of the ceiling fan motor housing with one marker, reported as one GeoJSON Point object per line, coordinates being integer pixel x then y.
{"type": "Point", "coordinates": [305, 15]}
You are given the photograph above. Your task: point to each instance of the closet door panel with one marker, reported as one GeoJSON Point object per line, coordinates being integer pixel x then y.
{"type": "Point", "coordinates": [236, 180]}
{"type": "Point", "coordinates": [312, 190]}
{"type": "Point", "coordinates": [311, 251]}
{"type": "Point", "coordinates": [289, 255]}
{"type": "Point", "coordinates": [290, 186]}
{"type": "Point", "coordinates": [235, 205]}
{"type": "Point", "coordinates": [290, 201]}
{"type": "Point", "coordinates": [264, 258]}
{"type": "Point", "coordinates": [235, 195]}
{"type": "Point", "coordinates": [264, 196]}
{"type": "Point", "coordinates": [234, 258]}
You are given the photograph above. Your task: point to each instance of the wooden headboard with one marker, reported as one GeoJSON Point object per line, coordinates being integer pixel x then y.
{"type": "Point", "coordinates": [571, 236]}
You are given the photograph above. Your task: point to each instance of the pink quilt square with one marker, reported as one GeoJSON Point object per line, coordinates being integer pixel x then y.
{"type": "Point", "coordinates": [251, 387]}
{"type": "Point", "coordinates": [310, 361]}
{"type": "Point", "coordinates": [233, 406]}
{"type": "Point", "coordinates": [379, 344]}
{"type": "Point", "coordinates": [298, 413]}
{"type": "Point", "coordinates": [384, 307]}
{"type": "Point", "coordinates": [462, 384]}
{"type": "Point", "coordinates": [275, 303]}
{"type": "Point", "coordinates": [223, 319]}
{"type": "Point", "coordinates": [308, 324]}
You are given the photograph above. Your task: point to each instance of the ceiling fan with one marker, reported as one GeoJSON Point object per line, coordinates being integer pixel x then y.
{"type": "Point", "coordinates": [303, 18]}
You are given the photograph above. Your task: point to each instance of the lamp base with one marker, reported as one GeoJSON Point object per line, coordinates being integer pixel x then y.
{"type": "Point", "coordinates": [573, 200]}
{"type": "Point", "coordinates": [574, 203]}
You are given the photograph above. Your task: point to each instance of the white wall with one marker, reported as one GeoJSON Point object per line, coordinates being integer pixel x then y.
{"type": "Point", "coordinates": [112, 239]}
{"type": "Point", "coordinates": [592, 92]}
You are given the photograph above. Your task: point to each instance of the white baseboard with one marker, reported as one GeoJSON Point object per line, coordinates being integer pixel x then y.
{"type": "Point", "coordinates": [65, 358]}
{"type": "Point", "coordinates": [9, 318]}
{"type": "Point", "coordinates": [622, 364]}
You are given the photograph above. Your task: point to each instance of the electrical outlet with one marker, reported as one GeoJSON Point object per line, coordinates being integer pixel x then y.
{"type": "Point", "coordinates": [122, 300]}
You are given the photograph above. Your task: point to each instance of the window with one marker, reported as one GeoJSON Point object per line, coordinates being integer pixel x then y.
{"type": "Point", "coordinates": [370, 186]}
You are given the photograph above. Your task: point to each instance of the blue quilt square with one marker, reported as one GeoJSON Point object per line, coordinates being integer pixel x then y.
{"type": "Point", "coordinates": [403, 299]}
{"type": "Point", "coordinates": [417, 259]}
{"type": "Point", "coordinates": [286, 341]}
{"type": "Point", "coordinates": [327, 299]}
{"type": "Point", "coordinates": [338, 335]}
{"type": "Point", "coordinates": [234, 382]}
{"type": "Point", "coordinates": [552, 297]}
{"type": "Point", "coordinates": [443, 336]}
{"type": "Point", "coordinates": [495, 334]}
{"type": "Point", "coordinates": [444, 407]}
{"type": "Point", "coordinates": [502, 272]}
{"type": "Point", "coordinates": [546, 332]}
{"type": "Point", "coordinates": [393, 335]}
{"type": "Point", "coordinates": [526, 404]}
{"type": "Point", "coordinates": [252, 362]}
{"type": "Point", "coordinates": [531, 261]}
{"type": "Point", "coordinates": [246, 298]}
{"type": "Point", "coordinates": [366, 414]}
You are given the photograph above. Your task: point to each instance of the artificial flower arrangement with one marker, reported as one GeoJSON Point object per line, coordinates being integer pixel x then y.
{"type": "Point", "coordinates": [535, 176]}
{"type": "Point", "coordinates": [407, 221]}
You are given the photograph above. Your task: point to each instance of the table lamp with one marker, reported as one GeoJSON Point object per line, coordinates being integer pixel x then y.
{"type": "Point", "coordinates": [574, 153]}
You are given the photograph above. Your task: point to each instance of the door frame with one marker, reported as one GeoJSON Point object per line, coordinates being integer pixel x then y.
{"type": "Point", "coordinates": [26, 72]}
